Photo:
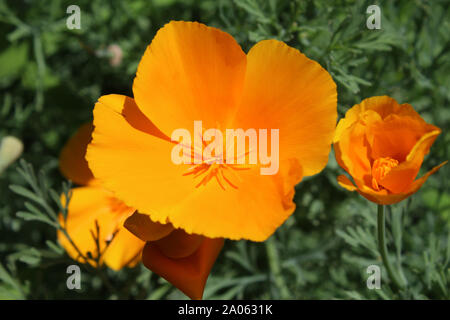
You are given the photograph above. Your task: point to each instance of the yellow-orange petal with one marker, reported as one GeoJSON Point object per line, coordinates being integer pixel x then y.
{"type": "Point", "coordinates": [386, 106]}
{"type": "Point", "coordinates": [351, 147]}
{"type": "Point", "coordinates": [351, 117]}
{"type": "Point", "coordinates": [346, 183]}
{"type": "Point", "coordinates": [124, 250]}
{"type": "Point", "coordinates": [71, 160]}
{"type": "Point", "coordinates": [400, 178]}
{"type": "Point", "coordinates": [188, 274]}
{"type": "Point", "coordinates": [383, 196]}
{"type": "Point", "coordinates": [189, 72]}
{"type": "Point", "coordinates": [290, 174]}
{"type": "Point", "coordinates": [287, 91]}
{"type": "Point", "coordinates": [419, 182]}
{"type": "Point", "coordinates": [396, 136]}
{"type": "Point", "coordinates": [386, 198]}
{"type": "Point", "coordinates": [253, 210]}
{"type": "Point", "coordinates": [134, 163]}
{"type": "Point", "coordinates": [88, 206]}
{"type": "Point", "coordinates": [145, 229]}
{"type": "Point", "coordinates": [136, 260]}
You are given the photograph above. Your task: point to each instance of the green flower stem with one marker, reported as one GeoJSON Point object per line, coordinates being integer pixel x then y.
{"type": "Point", "coordinates": [275, 269]}
{"type": "Point", "coordinates": [40, 61]}
{"type": "Point", "coordinates": [383, 248]}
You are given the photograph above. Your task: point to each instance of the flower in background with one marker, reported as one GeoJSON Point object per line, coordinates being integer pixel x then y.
{"type": "Point", "coordinates": [193, 72]}
{"type": "Point", "coordinates": [10, 150]}
{"type": "Point", "coordinates": [94, 212]}
{"type": "Point", "coordinates": [381, 145]}
{"type": "Point", "coordinates": [116, 54]}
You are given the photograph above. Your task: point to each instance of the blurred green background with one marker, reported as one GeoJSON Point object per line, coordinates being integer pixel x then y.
{"type": "Point", "coordinates": [50, 78]}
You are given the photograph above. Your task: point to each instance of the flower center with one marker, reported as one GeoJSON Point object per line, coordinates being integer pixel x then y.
{"type": "Point", "coordinates": [216, 167]}
{"type": "Point", "coordinates": [380, 168]}
{"type": "Point", "coordinates": [223, 173]}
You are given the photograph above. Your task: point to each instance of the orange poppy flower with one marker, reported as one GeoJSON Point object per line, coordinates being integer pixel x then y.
{"type": "Point", "coordinates": [192, 72]}
{"type": "Point", "coordinates": [183, 260]}
{"type": "Point", "coordinates": [382, 144]}
{"type": "Point", "coordinates": [91, 204]}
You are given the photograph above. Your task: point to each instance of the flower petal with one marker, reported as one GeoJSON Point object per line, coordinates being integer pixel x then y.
{"type": "Point", "coordinates": [419, 182]}
{"type": "Point", "coordinates": [87, 206]}
{"type": "Point", "coordinates": [124, 250]}
{"type": "Point", "coordinates": [400, 178]}
{"type": "Point", "coordinates": [253, 210]}
{"type": "Point", "coordinates": [189, 72]}
{"type": "Point", "coordinates": [178, 244]}
{"type": "Point", "coordinates": [386, 106]}
{"type": "Point", "coordinates": [188, 274]}
{"type": "Point", "coordinates": [386, 198]}
{"type": "Point", "coordinates": [346, 183]}
{"type": "Point", "coordinates": [287, 91]}
{"type": "Point", "coordinates": [133, 159]}
{"type": "Point", "coordinates": [382, 196]}
{"type": "Point", "coordinates": [145, 229]}
{"type": "Point", "coordinates": [351, 146]}
{"type": "Point", "coordinates": [72, 163]}
{"type": "Point", "coordinates": [396, 136]}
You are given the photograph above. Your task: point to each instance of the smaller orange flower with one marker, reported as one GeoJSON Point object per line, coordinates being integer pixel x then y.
{"type": "Point", "coordinates": [91, 207]}
{"type": "Point", "coordinates": [382, 144]}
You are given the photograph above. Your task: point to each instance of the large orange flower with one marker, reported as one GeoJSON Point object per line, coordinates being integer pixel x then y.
{"type": "Point", "coordinates": [90, 206]}
{"type": "Point", "coordinates": [193, 72]}
{"type": "Point", "coordinates": [382, 144]}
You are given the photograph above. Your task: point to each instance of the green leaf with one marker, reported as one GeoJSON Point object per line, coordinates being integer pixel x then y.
{"type": "Point", "coordinates": [27, 216]}
{"type": "Point", "coordinates": [55, 247]}
{"type": "Point", "coordinates": [26, 193]}
{"type": "Point", "coordinates": [12, 62]}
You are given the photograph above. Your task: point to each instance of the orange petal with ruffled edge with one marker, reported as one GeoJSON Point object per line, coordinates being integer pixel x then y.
{"type": "Point", "coordinates": [285, 90]}
{"type": "Point", "coordinates": [396, 136]}
{"type": "Point", "coordinates": [188, 274]}
{"type": "Point", "coordinates": [400, 178]}
{"type": "Point", "coordinates": [72, 163]}
{"type": "Point", "coordinates": [253, 210]}
{"type": "Point", "coordinates": [386, 106]}
{"type": "Point", "coordinates": [190, 72]}
{"type": "Point", "coordinates": [351, 146]}
{"type": "Point", "coordinates": [131, 157]}
{"type": "Point", "coordinates": [384, 197]}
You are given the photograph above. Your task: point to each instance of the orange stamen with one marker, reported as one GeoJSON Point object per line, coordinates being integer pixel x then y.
{"type": "Point", "coordinates": [380, 168]}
